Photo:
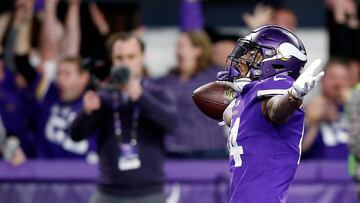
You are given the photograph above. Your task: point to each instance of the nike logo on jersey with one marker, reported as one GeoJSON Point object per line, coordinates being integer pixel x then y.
{"type": "Point", "coordinates": [276, 78]}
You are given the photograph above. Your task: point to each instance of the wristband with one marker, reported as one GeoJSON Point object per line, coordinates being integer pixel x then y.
{"type": "Point", "coordinates": [291, 97]}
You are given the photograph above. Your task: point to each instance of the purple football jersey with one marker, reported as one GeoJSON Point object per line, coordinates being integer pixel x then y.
{"type": "Point", "coordinates": [54, 118]}
{"type": "Point", "coordinates": [263, 156]}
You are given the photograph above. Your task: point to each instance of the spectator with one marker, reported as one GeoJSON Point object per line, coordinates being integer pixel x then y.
{"type": "Point", "coordinates": [354, 132]}
{"type": "Point", "coordinates": [131, 121]}
{"type": "Point", "coordinates": [286, 18]}
{"type": "Point", "coordinates": [326, 132]}
{"type": "Point", "coordinates": [4, 21]}
{"type": "Point", "coordinates": [57, 103]}
{"type": "Point", "coordinates": [58, 108]}
{"type": "Point", "coordinates": [98, 19]}
{"type": "Point", "coordinates": [56, 40]}
{"type": "Point", "coordinates": [14, 112]}
{"type": "Point", "coordinates": [13, 100]}
{"type": "Point", "coordinates": [344, 12]}
{"type": "Point", "coordinates": [191, 16]}
{"type": "Point", "coordinates": [9, 147]}
{"type": "Point", "coordinates": [191, 19]}
{"type": "Point", "coordinates": [221, 50]}
{"type": "Point", "coordinates": [197, 64]}
{"type": "Point", "coordinates": [354, 75]}
{"type": "Point", "coordinates": [196, 135]}
{"type": "Point", "coordinates": [267, 15]}
{"type": "Point", "coordinates": [344, 28]}
{"type": "Point", "coordinates": [223, 44]}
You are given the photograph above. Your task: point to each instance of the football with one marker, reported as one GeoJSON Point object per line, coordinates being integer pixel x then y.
{"type": "Point", "coordinates": [213, 98]}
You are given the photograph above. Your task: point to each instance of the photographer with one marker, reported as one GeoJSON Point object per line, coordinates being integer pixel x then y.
{"type": "Point", "coordinates": [131, 122]}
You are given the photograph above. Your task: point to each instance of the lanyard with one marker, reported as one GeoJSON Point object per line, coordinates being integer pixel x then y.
{"type": "Point", "coordinates": [117, 120]}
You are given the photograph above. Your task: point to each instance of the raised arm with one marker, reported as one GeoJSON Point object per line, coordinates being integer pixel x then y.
{"type": "Point", "coordinates": [23, 22]}
{"type": "Point", "coordinates": [18, 41]}
{"type": "Point", "coordinates": [191, 16]}
{"type": "Point", "coordinates": [279, 108]}
{"type": "Point", "coordinates": [51, 32]}
{"type": "Point", "coordinates": [72, 38]}
{"type": "Point", "coordinates": [4, 21]}
{"type": "Point", "coordinates": [99, 19]}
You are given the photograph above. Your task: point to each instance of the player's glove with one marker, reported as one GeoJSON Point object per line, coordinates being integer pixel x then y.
{"type": "Point", "coordinates": [307, 80]}
{"type": "Point", "coordinates": [239, 84]}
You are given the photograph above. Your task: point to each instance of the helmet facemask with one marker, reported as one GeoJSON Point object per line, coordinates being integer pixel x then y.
{"type": "Point", "coordinates": [244, 61]}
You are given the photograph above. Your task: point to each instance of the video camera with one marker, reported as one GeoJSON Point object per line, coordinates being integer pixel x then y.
{"type": "Point", "coordinates": [99, 72]}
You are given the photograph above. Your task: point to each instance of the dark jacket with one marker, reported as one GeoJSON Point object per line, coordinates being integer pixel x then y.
{"type": "Point", "coordinates": [157, 116]}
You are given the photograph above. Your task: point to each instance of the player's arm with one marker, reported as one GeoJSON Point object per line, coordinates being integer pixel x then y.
{"type": "Point", "coordinates": [227, 115]}
{"type": "Point", "coordinates": [279, 108]}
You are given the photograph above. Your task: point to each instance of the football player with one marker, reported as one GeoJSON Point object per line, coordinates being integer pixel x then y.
{"type": "Point", "coordinates": [266, 118]}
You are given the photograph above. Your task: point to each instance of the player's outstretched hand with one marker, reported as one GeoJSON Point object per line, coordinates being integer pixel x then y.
{"type": "Point", "coordinates": [307, 80]}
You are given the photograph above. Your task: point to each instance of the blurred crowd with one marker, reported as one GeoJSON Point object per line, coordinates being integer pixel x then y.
{"type": "Point", "coordinates": [65, 96]}
{"type": "Point", "coordinates": [49, 75]}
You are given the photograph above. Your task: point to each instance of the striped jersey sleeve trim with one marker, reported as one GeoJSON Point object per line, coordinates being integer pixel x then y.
{"type": "Point", "coordinates": [42, 88]}
{"type": "Point", "coordinates": [273, 92]}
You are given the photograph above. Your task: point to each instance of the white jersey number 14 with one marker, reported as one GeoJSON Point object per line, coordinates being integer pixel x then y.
{"type": "Point", "coordinates": [234, 149]}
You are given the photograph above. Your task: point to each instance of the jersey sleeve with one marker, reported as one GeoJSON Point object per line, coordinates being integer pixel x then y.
{"type": "Point", "coordinates": [44, 83]}
{"type": "Point", "coordinates": [41, 87]}
{"type": "Point", "coordinates": [276, 85]}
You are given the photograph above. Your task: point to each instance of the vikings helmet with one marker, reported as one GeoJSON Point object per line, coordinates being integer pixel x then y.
{"type": "Point", "coordinates": [280, 50]}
